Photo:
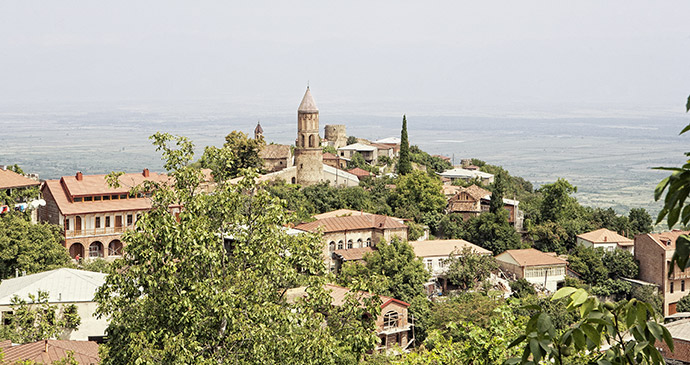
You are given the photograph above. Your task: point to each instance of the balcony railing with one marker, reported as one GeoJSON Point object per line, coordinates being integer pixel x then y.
{"type": "Point", "coordinates": [94, 232]}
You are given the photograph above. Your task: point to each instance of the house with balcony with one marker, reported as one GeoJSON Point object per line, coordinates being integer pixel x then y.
{"type": "Point", "coordinates": [435, 253]}
{"type": "Point", "coordinates": [393, 325]}
{"type": "Point", "coordinates": [654, 252]}
{"type": "Point", "coordinates": [353, 230]}
{"type": "Point", "coordinates": [94, 214]}
{"type": "Point", "coordinates": [542, 269]}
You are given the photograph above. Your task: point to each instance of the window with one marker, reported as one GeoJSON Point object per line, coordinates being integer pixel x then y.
{"type": "Point", "coordinates": [368, 242]}
{"type": "Point", "coordinates": [98, 222]}
{"type": "Point", "coordinates": [441, 262]}
{"type": "Point", "coordinates": [390, 320]}
{"type": "Point", "coordinates": [130, 219]}
{"type": "Point", "coordinates": [66, 224]}
{"type": "Point", "coordinates": [331, 246]}
{"type": "Point", "coordinates": [359, 243]}
{"type": "Point", "coordinates": [77, 200]}
{"type": "Point", "coordinates": [349, 243]}
{"type": "Point", "coordinates": [671, 288]}
{"type": "Point", "coordinates": [107, 222]}
{"type": "Point", "coordinates": [682, 285]}
{"type": "Point", "coordinates": [106, 197]}
{"type": "Point", "coordinates": [429, 264]}
{"type": "Point", "coordinates": [340, 245]}
{"type": "Point", "coordinates": [123, 196]}
{"type": "Point", "coordinates": [115, 197]}
{"type": "Point", "coordinates": [88, 198]}
{"type": "Point", "coordinates": [97, 198]}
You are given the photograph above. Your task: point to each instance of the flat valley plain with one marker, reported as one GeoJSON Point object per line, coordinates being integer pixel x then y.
{"type": "Point", "coordinates": [608, 157]}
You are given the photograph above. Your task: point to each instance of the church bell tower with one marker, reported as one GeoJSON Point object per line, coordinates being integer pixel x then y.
{"type": "Point", "coordinates": [308, 152]}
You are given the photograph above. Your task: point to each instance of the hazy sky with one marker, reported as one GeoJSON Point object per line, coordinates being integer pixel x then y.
{"type": "Point", "coordinates": [356, 54]}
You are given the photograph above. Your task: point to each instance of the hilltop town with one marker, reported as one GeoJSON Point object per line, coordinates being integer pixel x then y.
{"type": "Point", "coordinates": [336, 249]}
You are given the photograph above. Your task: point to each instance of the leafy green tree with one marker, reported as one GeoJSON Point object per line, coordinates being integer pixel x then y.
{"type": "Point", "coordinates": [404, 163]}
{"type": "Point", "coordinates": [497, 191]}
{"type": "Point", "coordinates": [549, 237]}
{"type": "Point", "coordinates": [210, 285]}
{"type": "Point", "coordinates": [415, 194]}
{"type": "Point", "coordinates": [640, 221]}
{"type": "Point", "coordinates": [587, 262]}
{"type": "Point", "coordinates": [452, 226]}
{"type": "Point", "coordinates": [357, 161]}
{"type": "Point", "coordinates": [683, 304]}
{"type": "Point", "coordinates": [433, 164]}
{"type": "Point", "coordinates": [522, 288]}
{"type": "Point", "coordinates": [620, 264]}
{"type": "Point", "coordinates": [557, 201]}
{"type": "Point", "coordinates": [351, 140]}
{"type": "Point", "coordinates": [29, 247]}
{"type": "Point", "coordinates": [36, 319]}
{"type": "Point", "coordinates": [492, 232]}
{"type": "Point", "coordinates": [600, 323]}
{"type": "Point", "coordinates": [238, 152]}
{"type": "Point", "coordinates": [329, 149]}
{"type": "Point", "coordinates": [649, 294]}
{"type": "Point", "coordinates": [467, 268]}
{"type": "Point", "coordinates": [403, 277]}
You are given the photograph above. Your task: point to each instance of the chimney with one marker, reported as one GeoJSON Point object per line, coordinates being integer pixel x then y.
{"type": "Point", "coordinates": [79, 176]}
{"type": "Point", "coordinates": [146, 173]}
{"type": "Point", "coordinates": [606, 238]}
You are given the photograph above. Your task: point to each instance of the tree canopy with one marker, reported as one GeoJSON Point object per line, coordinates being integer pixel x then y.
{"type": "Point", "coordinates": [29, 247]}
{"type": "Point", "coordinates": [210, 285]}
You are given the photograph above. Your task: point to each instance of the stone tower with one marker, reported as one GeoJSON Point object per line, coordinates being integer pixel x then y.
{"type": "Point", "coordinates": [308, 153]}
{"type": "Point", "coordinates": [336, 135]}
{"type": "Point", "coordinates": [258, 131]}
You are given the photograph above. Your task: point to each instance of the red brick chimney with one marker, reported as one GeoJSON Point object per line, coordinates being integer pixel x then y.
{"type": "Point", "coordinates": [146, 173]}
{"type": "Point", "coordinates": [79, 176]}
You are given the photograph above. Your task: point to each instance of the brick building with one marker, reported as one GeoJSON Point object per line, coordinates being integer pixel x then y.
{"type": "Point", "coordinates": [276, 157]}
{"type": "Point", "coordinates": [393, 325]}
{"type": "Point", "coordinates": [356, 230]}
{"type": "Point", "coordinates": [654, 252]}
{"type": "Point", "coordinates": [93, 214]}
{"type": "Point", "coordinates": [680, 332]}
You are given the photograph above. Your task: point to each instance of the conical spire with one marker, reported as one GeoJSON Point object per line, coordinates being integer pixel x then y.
{"type": "Point", "coordinates": [308, 105]}
{"type": "Point", "coordinates": [258, 129]}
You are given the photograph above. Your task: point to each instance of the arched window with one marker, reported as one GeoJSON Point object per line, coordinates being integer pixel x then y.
{"type": "Point", "coordinates": [359, 243]}
{"type": "Point", "coordinates": [369, 242]}
{"type": "Point", "coordinates": [349, 243]}
{"type": "Point", "coordinates": [312, 142]}
{"type": "Point", "coordinates": [331, 246]}
{"type": "Point", "coordinates": [96, 249]}
{"type": "Point", "coordinates": [302, 139]}
{"type": "Point", "coordinates": [340, 245]}
{"type": "Point", "coordinates": [390, 320]}
{"type": "Point", "coordinates": [76, 249]}
{"type": "Point", "coordinates": [115, 248]}
{"type": "Point", "coordinates": [293, 180]}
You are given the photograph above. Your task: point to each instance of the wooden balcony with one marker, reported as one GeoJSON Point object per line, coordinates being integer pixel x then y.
{"type": "Point", "coordinates": [94, 232]}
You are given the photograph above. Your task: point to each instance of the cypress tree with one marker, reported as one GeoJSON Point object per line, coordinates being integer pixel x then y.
{"type": "Point", "coordinates": [499, 188]}
{"type": "Point", "coordinates": [404, 164]}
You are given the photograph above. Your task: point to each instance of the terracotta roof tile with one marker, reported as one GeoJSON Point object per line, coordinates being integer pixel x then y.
{"type": "Point", "coordinates": [532, 257]}
{"type": "Point", "coordinates": [349, 223]}
{"type": "Point", "coordinates": [341, 213]}
{"type": "Point", "coordinates": [48, 351]}
{"type": "Point", "coordinates": [339, 295]}
{"type": "Point", "coordinates": [350, 254]}
{"type": "Point", "coordinates": [10, 179]}
{"type": "Point", "coordinates": [270, 151]}
{"type": "Point", "coordinates": [668, 239]}
{"type": "Point", "coordinates": [444, 247]}
{"type": "Point", "coordinates": [604, 235]}
{"type": "Point", "coordinates": [359, 172]}
{"type": "Point", "coordinates": [97, 184]}
{"type": "Point", "coordinates": [68, 208]}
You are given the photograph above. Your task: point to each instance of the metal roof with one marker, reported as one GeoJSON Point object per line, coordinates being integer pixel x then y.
{"type": "Point", "coordinates": [63, 285]}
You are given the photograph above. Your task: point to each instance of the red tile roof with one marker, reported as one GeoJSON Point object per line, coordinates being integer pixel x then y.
{"type": "Point", "coordinates": [444, 247]}
{"type": "Point", "coordinates": [350, 254]}
{"type": "Point", "coordinates": [97, 184]}
{"type": "Point", "coordinates": [668, 239]}
{"type": "Point", "coordinates": [10, 179]}
{"type": "Point", "coordinates": [604, 235]}
{"type": "Point", "coordinates": [533, 257]}
{"type": "Point", "coordinates": [350, 223]}
{"type": "Point", "coordinates": [339, 295]}
{"type": "Point", "coordinates": [48, 351]}
{"type": "Point", "coordinates": [359, 172]}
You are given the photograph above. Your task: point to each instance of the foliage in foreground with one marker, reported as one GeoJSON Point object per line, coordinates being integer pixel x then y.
{"type": "Point", "coordinates": [36, 319]}
{"type": "Point", "coordinates": [184, 294]}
